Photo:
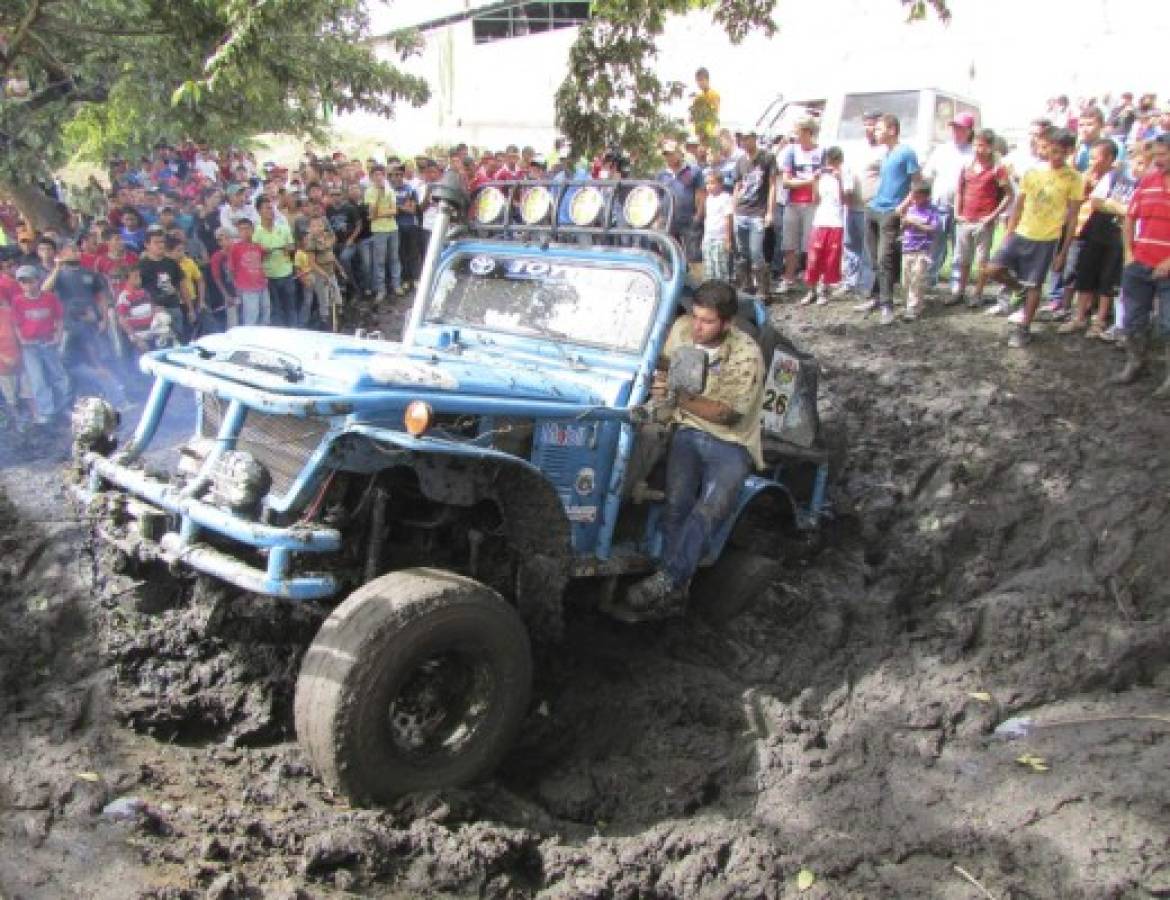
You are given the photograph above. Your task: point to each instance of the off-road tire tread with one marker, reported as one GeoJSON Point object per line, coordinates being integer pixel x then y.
{"type": "Point", "coordinates": [350, 646]}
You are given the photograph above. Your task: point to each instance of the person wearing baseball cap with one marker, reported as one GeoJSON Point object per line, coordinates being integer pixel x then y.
{"type": "Point", "coordinates": [943, 169]}
{"type": "Point", "coordinates": [40, 320]}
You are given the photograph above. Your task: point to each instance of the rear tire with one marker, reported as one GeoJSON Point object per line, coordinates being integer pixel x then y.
{"type": "Point", "coordinates": [419, 680]}
{"type": "Point", "coordinates": [725, 590]}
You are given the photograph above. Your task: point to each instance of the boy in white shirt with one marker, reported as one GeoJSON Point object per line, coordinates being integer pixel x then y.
{"type": "Point", "coordinates": [827, 242]}
{"type": "Point", "coordinates": [717, 229]}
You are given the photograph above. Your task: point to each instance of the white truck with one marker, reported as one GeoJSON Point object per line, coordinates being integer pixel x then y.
{"type": "Point", "coordinates": [925, 115]}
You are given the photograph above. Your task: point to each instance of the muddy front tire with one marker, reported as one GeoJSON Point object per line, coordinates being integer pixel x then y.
{"type": "Point", "coordinates": [419, 680]}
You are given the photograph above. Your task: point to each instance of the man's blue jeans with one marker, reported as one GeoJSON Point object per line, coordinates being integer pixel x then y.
{"type": "Point", "coordinates": [749, 239]}
{"type": "Point", "coordinates": [382, 248]}
{"type": "Point", "coordinates": [858, 267]}
{"type": "Point", "coordinates": [348, 265]}
{"type": "Point", "coordinates": [1139, 287]}
{"type": "Point", "coordinates": [47, 380]}
{"type": "Point", "coordinates": [282, 293]}
{"type": "Point", "coordinates": [943, 239]}
{"type": "Point", "coordinates": [703, 477]}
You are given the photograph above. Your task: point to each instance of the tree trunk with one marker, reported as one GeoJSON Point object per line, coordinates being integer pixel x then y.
{"type": "Point", "coordinates": [36, 207]}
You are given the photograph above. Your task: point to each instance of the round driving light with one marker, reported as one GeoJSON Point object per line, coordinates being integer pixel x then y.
{"type": "Point", "coordinates": [586, 206]}
{"type": "Point", "coordinates": [238, 480]}
{"type": "Point", "coordinates": [489, 206]}
{"type": "Point", "coordinates": [641, 206]}
{"type": "Point", "coordinates": [418, 417]}
{"type": "Point", "coordinates": [93, 422]}
{"type": "Point", "coordinates": [536, 205]}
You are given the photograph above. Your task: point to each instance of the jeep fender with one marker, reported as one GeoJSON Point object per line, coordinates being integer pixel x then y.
{"type": "Point", "coordinates": [764, 516]}
{"type": "Point", "coordinates": [534, 519]}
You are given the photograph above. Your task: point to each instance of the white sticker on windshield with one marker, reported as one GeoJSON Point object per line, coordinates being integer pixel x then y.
{"type": "Point", "coordinates": [482, 265]}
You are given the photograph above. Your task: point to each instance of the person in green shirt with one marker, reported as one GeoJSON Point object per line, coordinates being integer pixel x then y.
{"type": "Point", "coordinates": [277, 241]}
{"type": "Point", "coordinates": [382, 244]}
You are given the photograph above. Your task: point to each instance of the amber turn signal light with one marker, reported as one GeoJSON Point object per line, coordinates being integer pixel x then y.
{"type": "Point", "coordinates": [418, 417]}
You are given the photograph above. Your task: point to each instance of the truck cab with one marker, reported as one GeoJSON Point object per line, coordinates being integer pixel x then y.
{"type": "Point", "coordinates": [439, 494]}
{"type": "Point", "coordinates": [925, 115]}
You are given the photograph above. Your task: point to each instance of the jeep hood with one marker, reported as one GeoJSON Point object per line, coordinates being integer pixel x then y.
{"type": "Point", "coordinates": [291, 361]}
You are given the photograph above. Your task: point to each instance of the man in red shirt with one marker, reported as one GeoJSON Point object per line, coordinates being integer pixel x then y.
{"type": "Point", "coordinates": [246, 264]}
{"type": "Point", "coordinates": [984, 192]}
{"type": "Point", "coordinates": [1147, 265]}
{"type": "Point", "coordinates": [40, 319]}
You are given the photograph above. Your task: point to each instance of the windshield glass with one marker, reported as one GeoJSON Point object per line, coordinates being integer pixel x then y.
{"type": "Point", "coordinates": [903, 104]}
{"type": "Point", "coordinates": [608, 307]}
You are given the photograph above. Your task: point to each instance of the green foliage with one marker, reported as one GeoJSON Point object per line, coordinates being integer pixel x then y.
{"type": "Point", "coordinates": [116, 76]}
{"type": "Point", "coordinates": [612, 94]}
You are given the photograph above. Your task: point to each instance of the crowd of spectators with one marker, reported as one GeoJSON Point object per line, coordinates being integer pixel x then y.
{"type": "Point", "coordinates": [188, 240]}
{"type": "Point", "coordinates": [1052, 224]}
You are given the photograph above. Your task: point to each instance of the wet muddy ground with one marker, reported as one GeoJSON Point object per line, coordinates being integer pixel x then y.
{"type": "Point", "coordinates": [999, 552]}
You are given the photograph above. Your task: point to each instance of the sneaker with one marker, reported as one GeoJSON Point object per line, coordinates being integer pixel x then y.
{"type": "Point", "coordinates": [866, 307]}
{"type": "Point", "coordinates": [380, 297]}
{"type": "Point", "coordinates": [1000, 308]}
{"type": "Point", "coordinates": [1017, 318]}
{"type": "Point", "coordinates": [974, 301]}
{"type": "Point", "coordinates": [1109, 335]}
{"type": "Point", "coordinates": [808, 299]}
{"type": "Point", "coordinates": [783, 286]}
{"type": "Point", "coordinates": [953, 299]}
{"type": "Point", "coordinates": [1072, 326]}
{"type": "Point", "coordinates": [910, 315]}
{"type": "Point", "coordinates": [887, 316]}
{"type": "Point", "coordinates": [1094, 331]}
{"type": "Point", "coordinates": [1020, 337]}
{"type": "Point", "coordinates": [823, 299]}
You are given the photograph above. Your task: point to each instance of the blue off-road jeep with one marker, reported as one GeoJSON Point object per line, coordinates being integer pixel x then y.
{"type": "Point", "coordinates": [448, 489]}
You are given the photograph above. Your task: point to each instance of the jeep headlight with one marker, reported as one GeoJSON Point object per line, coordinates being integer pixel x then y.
{"type": "Point", "coordinates": [238, 481]}
{"type": "Point", "coordinates": [641, 206]}
{"type": "Point", "coordinates": [93, 423]}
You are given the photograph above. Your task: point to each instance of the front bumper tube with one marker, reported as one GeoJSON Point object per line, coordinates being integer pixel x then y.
{"type": "Point", "coordinates": [184, 547]}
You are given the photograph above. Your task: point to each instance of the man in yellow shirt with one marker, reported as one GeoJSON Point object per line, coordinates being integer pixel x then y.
{"type": "Point", "coordinates": [716, 444]}
{"type": "Point", "coordinates": [1040, 228]}
{"type": "Point", "coordinates": [705, 109]}
{"type": "Point", "coordinates": [382, 245]}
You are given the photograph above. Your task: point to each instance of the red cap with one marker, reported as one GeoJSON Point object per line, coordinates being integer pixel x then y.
{"type": "Point", "coordinates": [964, 120]}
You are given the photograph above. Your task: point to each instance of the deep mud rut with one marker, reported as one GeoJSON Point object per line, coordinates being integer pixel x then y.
{"type": "Point", "coordinates": [1000, 551]}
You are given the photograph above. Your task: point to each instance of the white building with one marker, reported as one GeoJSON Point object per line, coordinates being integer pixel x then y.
{"type": "Point", "coordinates": [494, 66]}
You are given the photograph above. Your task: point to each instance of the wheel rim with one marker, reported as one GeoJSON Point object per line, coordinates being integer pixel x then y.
{"type": "Point", "coordinates": [441, 705]}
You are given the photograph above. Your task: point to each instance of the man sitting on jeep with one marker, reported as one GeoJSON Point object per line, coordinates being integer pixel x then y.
{"type": "Point", "coordinates": [715, 445]}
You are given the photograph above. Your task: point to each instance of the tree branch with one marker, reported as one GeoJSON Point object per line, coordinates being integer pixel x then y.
{"type": "Point", "coordinates": [22, 30]}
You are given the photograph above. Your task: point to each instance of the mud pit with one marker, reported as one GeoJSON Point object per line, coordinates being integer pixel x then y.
{"type": "Point", "coordinates": [1001, 551]}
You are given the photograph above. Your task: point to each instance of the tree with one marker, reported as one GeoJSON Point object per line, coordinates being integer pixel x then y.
{"type": "Point", "coordinates": [612, 96]}
{"type": "Point", "coordinates": [117, 76]}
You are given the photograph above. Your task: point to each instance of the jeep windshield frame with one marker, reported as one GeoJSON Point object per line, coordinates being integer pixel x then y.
{"type": "Point", "coordinates": [608, 304]}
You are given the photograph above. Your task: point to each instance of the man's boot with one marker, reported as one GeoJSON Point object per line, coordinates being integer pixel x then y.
{"type": "Point", "coordinates": [763, 281]}
{"type": "Point", "coordinates": [1135, 360]}
{"type": "Point", "coordinates": [1163, 392]}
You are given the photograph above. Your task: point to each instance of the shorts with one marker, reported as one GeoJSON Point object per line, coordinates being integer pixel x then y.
{"type": "Point", "coordinates": [973, 242]}
{"type": "Point", "coordinates": [797, 227]}
{"type": "Point", "coordinates": [1028, 260]}
{"type": "Point", "coordinates": [1094, 268]}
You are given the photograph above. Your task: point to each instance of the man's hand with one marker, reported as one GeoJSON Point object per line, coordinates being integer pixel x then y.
{"type": "Point", "coordinates": [1162, 269]}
